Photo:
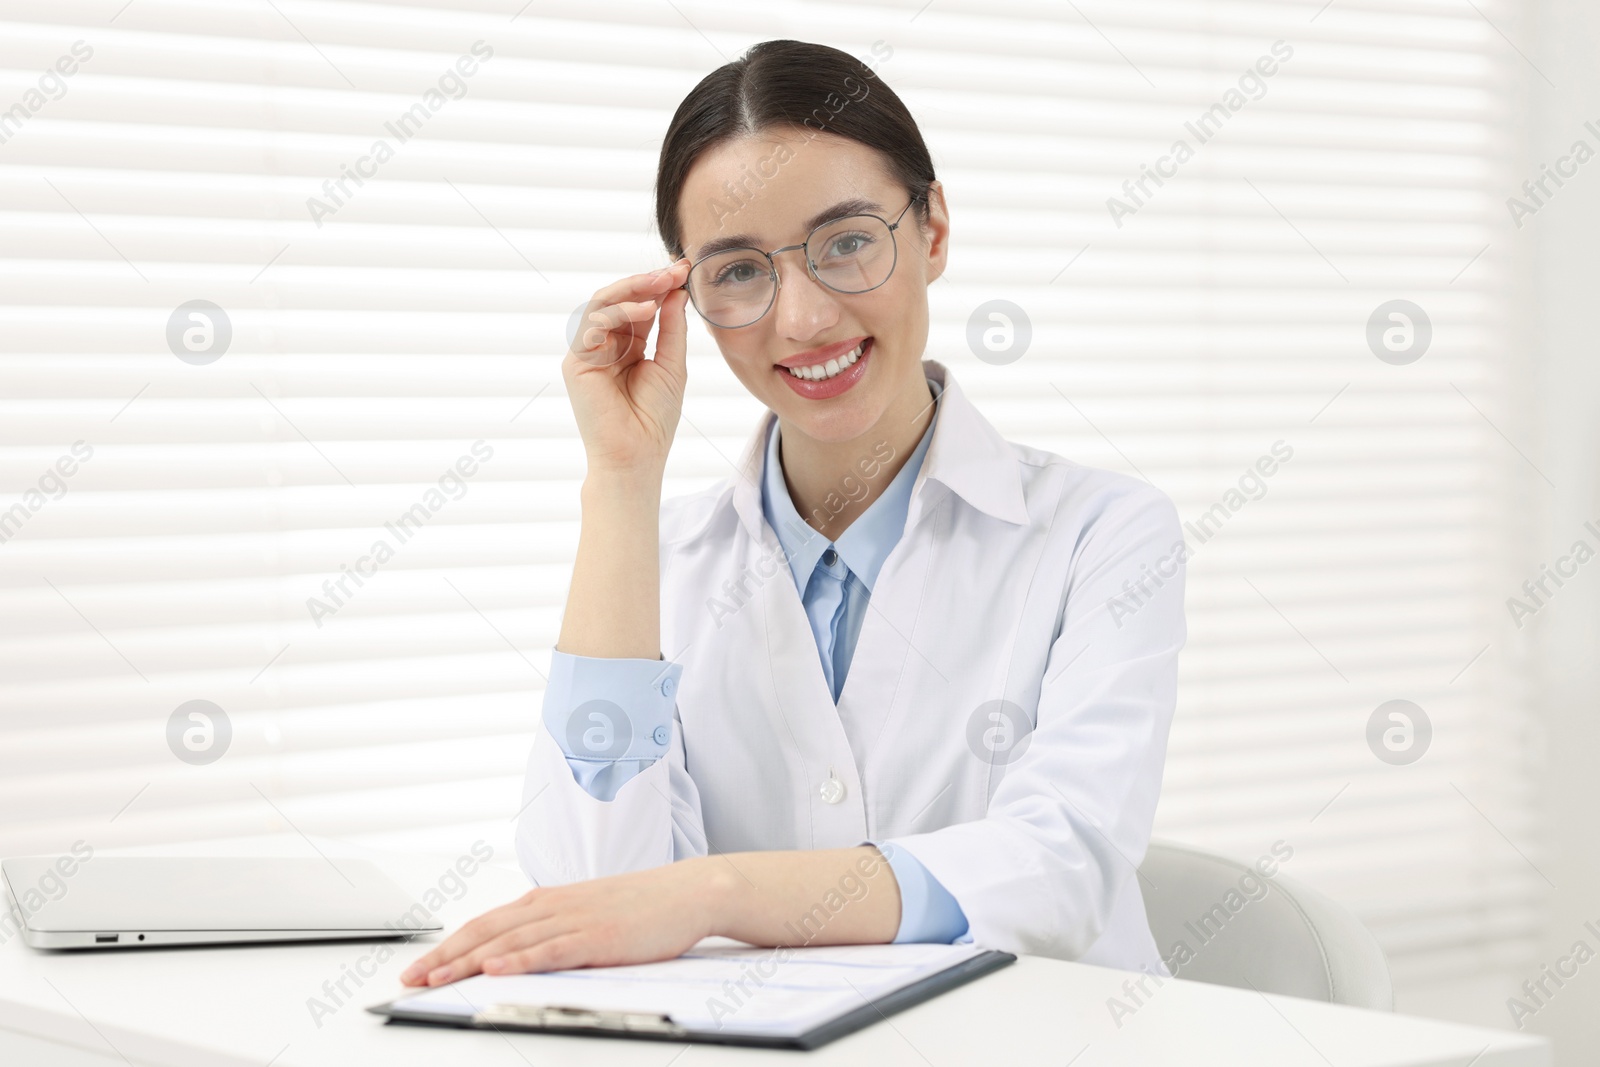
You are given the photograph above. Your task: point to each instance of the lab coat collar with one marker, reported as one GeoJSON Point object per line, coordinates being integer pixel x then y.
{"type": "Point", "coordinates": [967, 456]}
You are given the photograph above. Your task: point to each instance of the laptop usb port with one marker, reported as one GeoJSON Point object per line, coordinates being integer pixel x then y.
{"type": "Point", "coordinates": [106, 939]}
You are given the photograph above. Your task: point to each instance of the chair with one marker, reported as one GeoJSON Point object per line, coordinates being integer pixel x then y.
{"type": "Point", "coordinates": [1287, 939]}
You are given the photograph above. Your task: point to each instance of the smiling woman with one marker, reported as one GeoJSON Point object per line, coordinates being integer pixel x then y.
{"type": "Point", "coordinates": [939, 705]}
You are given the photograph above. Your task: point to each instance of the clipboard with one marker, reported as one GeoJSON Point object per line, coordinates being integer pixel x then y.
{"type": "Point", "coordinates": [576, 1019]}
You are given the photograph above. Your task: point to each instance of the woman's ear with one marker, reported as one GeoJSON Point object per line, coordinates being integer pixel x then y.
{"type": "Point", "coordinates": [936, 232]}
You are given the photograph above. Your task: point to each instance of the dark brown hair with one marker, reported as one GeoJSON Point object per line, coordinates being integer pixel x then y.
{"type": "Point", "coordinates": [790, 83]}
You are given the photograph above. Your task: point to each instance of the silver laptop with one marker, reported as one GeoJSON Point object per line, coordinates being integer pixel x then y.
{"type": "Point", "coordinates": [140, 901]}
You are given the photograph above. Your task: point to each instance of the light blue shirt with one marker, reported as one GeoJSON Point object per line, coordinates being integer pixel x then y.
{"type": "Point", "coordinates": [612, 717]}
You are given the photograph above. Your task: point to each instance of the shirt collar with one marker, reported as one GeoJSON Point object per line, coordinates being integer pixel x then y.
{"type": "Point", "coordinates": [866, 543]}
{"type": "Point", "coordinates": [966, 455]}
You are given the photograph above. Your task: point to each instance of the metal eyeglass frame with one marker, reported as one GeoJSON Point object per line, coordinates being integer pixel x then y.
{"type": "Point", "coordinates": [811, 267]}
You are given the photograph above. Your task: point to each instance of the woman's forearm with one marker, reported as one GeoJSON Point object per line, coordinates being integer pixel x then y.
{"type": "Point", "coordinates": [614, 604]}
{"type": "Point", "coordinates": [839, 896]}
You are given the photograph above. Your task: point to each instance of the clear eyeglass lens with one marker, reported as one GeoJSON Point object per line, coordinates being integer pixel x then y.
{"type": "Point", "coordinates": [732, 288]}
{"type": "Point", "coordinates": [852, 254]}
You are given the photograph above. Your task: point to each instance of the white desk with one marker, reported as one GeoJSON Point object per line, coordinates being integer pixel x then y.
{"type": "Point", "coordinates": [249, 1006]}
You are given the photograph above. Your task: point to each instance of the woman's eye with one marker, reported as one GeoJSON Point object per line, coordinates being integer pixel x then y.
{"type": "Point", "coordinates": [848, 244]}
{"type": "Point", "coordinates": [741, 273]}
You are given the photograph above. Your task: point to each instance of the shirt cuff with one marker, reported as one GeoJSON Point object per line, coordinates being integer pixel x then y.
{"type": "Point", "coordinates": [928, 912]}
{"type": "Point", "coordinates": [611, 718]}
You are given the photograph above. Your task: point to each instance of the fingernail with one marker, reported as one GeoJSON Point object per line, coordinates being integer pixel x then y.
{"type": "Point", "coordinates": [410, 973]}
{"type": "Point", "coordinates": [440, 974]}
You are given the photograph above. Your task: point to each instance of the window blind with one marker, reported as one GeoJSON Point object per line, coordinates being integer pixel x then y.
{"type": "Point", "coordinates": [287, 282]}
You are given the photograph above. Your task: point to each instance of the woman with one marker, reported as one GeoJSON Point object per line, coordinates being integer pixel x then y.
{"type": "Point", "coordinates": [933, 709]}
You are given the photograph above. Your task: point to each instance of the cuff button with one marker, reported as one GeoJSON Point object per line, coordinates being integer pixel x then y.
{"type": "Point", "coordinates": [667, 687]}
{"type": "Point", "coordinates": [661, 735]}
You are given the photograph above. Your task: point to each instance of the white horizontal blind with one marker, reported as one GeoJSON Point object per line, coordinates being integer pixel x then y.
{"type": "Point", "coordinates": [381, 328]}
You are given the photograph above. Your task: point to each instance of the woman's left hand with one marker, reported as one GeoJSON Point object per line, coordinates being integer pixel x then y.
{"type": "Point", "coordinates": [640, 917]}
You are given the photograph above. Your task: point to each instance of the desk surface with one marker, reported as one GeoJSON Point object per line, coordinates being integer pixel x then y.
{"type": "Point", "coordinates": [280, 1005]}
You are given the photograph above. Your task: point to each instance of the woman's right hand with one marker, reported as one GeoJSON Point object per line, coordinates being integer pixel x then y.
{"type": "Point", "coordinates": [627, 406]}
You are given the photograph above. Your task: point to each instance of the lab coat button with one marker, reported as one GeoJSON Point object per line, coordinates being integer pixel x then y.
{"type": "Point", "coordinates": [832, 790]}
{"type": "Point", "coordinates": [661, 735]}
{"type": "Point", "coordinates": [667, 687]}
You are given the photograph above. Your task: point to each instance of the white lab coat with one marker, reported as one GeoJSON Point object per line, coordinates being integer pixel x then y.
{"type": "Point", "coordinates": [1018, 579]}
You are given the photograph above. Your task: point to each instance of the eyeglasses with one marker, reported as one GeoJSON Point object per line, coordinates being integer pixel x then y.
{"type": "Point", "coordinates": [851, 254]}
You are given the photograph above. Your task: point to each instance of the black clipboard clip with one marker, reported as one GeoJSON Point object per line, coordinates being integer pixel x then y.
{"type": "Point", "coordinates": [555, 1017]}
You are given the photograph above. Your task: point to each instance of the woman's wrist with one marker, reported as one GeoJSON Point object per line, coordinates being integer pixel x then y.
{"type": "Point", "coordinates": [825, 896]}
{"type": "Point", "coordinates": [719, 894]}
{"type": "Point", "coordinates": [634, 486]}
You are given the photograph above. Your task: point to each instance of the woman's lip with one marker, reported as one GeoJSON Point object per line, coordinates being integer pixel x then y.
{"type": "Point", "coordinates": [822, 355]}
{"type": "Point", "coordinates": [829, 387]}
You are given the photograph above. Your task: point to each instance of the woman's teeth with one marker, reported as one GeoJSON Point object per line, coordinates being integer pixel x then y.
{"type": "Point", "coordinates": [818, 372]}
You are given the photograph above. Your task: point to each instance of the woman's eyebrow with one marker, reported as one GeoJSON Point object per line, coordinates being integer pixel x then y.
{"type": "Point", "coordinates": [853, 206]}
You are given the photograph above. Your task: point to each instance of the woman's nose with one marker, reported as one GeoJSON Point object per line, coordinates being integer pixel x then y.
{"type": "Point", "coordinates": [803, 306]}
